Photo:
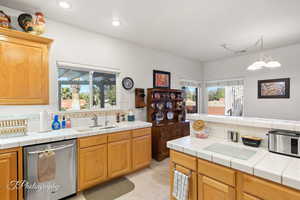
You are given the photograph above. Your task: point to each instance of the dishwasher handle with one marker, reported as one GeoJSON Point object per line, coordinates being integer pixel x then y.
{"type": "Point", "coordinates": [53, 149]}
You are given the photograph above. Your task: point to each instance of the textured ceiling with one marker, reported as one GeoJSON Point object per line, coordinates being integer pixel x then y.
{"type": "Point", "coordinates": [193, 29]}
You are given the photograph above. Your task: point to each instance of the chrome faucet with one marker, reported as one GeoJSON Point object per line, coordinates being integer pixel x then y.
{"type": "Point", "coordinates": [106, 121]}
{"type": "Point", "coordinates": [95, 119]}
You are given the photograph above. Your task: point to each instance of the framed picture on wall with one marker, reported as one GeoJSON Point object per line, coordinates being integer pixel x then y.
{"type": "Point", "coordinates": [274, 88]}
{"type": "Point", "coordinates": [161, 79]}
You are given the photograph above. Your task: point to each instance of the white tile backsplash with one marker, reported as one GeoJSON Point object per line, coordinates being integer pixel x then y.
{"type": "Point", "coordinates": [220, 130]}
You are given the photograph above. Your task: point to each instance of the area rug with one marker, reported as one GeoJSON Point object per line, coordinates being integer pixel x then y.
{"type": "Point", "coordinates": [110, 190]}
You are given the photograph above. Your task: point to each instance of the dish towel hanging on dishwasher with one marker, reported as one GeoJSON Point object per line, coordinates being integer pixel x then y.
{"type": "Point", "coordinates": [180, 186]}
{"type": "Point", "coordinates": [46, 166]}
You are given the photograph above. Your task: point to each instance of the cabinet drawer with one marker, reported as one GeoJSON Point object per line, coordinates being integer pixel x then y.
{"type": "Point", "coordinates": [266, 190]}
{"type": "Point", "coordinates": [141, 132]}
{"type": "Point", "coordinates": [184, 160]}
{"type": "Point", "coordinates": [248, 197]}
{"type": "Point", "coordinates": [119, 136]}
{"type": "Point", "coordinates": [217, 172]}
{"type": "Point", "coordinates": [92, 141]}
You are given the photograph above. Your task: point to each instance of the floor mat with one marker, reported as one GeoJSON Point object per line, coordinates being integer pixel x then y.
{"type": "Point", "coordinates": [110, 190]}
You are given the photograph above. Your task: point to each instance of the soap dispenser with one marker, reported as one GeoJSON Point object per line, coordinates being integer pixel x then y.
{"type": "Point", "coordinates": [55, 123]}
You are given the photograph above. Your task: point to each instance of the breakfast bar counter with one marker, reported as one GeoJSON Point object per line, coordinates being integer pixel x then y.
{"type": "Point", "coordinates": [270, 166]}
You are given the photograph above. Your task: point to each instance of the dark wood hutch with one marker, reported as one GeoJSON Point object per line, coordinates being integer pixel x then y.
{"type": "Point", "coordinates": [166, 111]}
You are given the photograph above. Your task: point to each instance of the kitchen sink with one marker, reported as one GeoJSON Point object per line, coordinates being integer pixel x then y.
{"type": "Point", "coordinates": [231, 151]}
{"type": "Point", "coordinates": [93, 128]}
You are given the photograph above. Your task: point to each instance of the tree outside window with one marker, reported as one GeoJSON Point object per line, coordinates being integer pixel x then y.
{"type": "Point", "coordinates": [191, 99]}
{"type": "Point", "coordinates": [225, 100]}
{"type": "Point", "coordinates": [80, 90]}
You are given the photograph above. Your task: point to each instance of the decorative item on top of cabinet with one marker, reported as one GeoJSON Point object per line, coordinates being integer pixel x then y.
{"type": "Point", "coordinates": [4, 20]}
{"type": "Point", "coordinates": [140, 98]}
{"type": "Point", "coordinates": [24, 76]}
{"type": "Point", "coordinates": [33, 26]}
{"type": "Point", "coordinates": [161, 79]}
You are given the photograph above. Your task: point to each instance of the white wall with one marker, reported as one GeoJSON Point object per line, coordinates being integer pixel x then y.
{"type": "Point", "coordinates": [78, 46]}
{"type": "Point", "coordinates": [270, 108]}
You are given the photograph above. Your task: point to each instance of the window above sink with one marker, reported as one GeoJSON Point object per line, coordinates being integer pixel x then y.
{"type": "Point", "coordinates": [83, 88]}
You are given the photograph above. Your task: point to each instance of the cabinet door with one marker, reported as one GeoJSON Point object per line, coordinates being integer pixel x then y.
{"type": "Point", "coordinates": [23, 72]}
{"type": "Point", "coordinates": [249, 197]}
{"type": "Point", "coordinates": [192, 180]}
{"type": "Point", "coordinates": [141, 151]}
{"type": "Point", "coordinates": [119, 158]}
{"type": "Point", "coordinates": [210, 189]}
{"type": "Point", "coordinates": [264, 189]}
{"type": "Point", "coordinates": [92, 166]}
{"type": "Point", "coordinates": [8, 173]}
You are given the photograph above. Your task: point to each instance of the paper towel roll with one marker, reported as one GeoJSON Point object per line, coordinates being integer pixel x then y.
{"type": "Point", "coordinates": [44, 121]}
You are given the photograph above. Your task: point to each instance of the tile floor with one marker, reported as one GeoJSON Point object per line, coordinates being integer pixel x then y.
{"type": "Point", "coordinates": [150, 184]}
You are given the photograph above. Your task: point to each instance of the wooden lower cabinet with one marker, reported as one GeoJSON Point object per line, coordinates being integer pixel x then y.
{"type": "Point", "coordinates": [119, 154]}
{"type": "Point", "coordinates": [192, 180]}
{"type": "Point", "coordinates": [11, 171]}
{"type": "Point", "coordinates": [106, 156]}
{"type": "Point", "coordinates": [141, 151]}
{"type": "Point", "coordinates": [185, 164]}
{"type": "Point", "coordinates": [8, 173]}
{"type": "Point", "coordinates": [262, 189]}
{"type": "Point", "coordinates": [249, 197]}
{"type": "Point", "coordinates": [217, 182]}
{"type": "Point", "coordinates": [210, 189]}
{"type": "Point", "coordinates": [92, 166]}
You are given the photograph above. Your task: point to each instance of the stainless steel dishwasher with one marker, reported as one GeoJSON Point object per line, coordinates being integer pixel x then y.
{"type": "Point", "coordinates": [64, 183]}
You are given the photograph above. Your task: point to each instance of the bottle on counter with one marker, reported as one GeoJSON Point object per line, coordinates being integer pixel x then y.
{"type": "Point", "coordinates": [130, 116]}
{"type": "Point", "coordinates": [118, 118]}
{"type": "Point", "coordinates": [63, 122]}
{"type": "Point", "coordinates": [56, 123]}
{"type": "Point", "coordinates": [68, 123]}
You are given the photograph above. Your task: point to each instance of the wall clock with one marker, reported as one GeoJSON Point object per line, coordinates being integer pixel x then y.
{"type": "Point", "coordinates": [127, 83]}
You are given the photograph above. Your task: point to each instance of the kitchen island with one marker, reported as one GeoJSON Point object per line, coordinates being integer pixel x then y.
{"type": "Point", "coordinates": [264, 176]}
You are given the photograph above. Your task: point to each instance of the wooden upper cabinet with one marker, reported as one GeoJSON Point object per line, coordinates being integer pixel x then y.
{"type": "Point", "coordinates": [92, 166]}
{"type": "Point", "coordinates": [210, 189]}
{"type": "Point", "coordinates": [8, 173]}
{"type": "Point", "coordinates": [24, 76]}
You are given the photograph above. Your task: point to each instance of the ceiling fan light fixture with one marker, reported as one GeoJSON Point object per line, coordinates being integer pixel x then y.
{"type": "Point", "coordinates": [264, 61]}
{"type": "Point", "coordinates": [116, 22]}
{"type": "Point", "coordinates": [254, 66]}
{"type": "Point", "coordinates": [273, 64]}
{"type": "Point", "coordinates": [64, 4]}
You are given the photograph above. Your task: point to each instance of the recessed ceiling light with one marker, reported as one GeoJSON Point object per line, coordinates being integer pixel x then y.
{"type": "Point", "coordinates": [116, 22]}
{"type": "Point", "coordinates": [65, 4]}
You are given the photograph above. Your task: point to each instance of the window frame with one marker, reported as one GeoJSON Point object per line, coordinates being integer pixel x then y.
{"type": "Point", "coordinates": [197, 98]}
{"type": "Point", "coordinates": [222, 83]}
{"type": "Point", "coordinates": [90, 69]}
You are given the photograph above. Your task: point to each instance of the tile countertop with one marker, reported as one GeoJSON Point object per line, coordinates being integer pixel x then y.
{"type": "Point", "coordinates": [64, 134]}
{"type": "Point", "coordinates": [248, 121]}
{"type": "Point", "coordinates": [274, 167]}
